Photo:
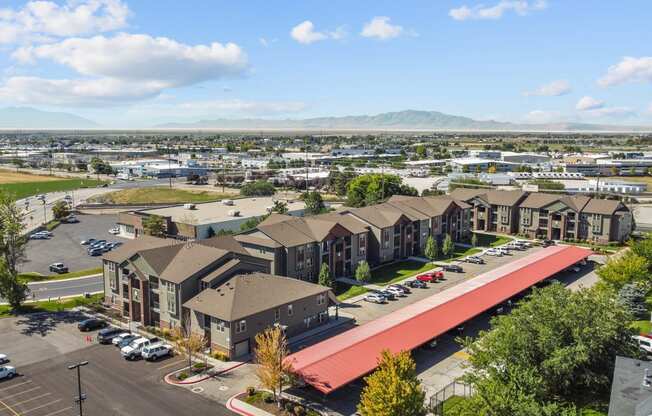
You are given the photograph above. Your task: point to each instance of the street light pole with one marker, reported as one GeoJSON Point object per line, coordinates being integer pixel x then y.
{"type": "Point", "coordinates": [81, 397]}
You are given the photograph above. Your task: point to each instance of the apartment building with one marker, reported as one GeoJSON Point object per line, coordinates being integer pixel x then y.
{"type": "Point", "coordinates": [230, 315]}
{"type": "Point", "coordinates": [148, 279]}
{"type": "Point", "coordinates": [493, 210]}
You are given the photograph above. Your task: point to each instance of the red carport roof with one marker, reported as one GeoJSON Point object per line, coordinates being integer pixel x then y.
{"type": "Point", "coordinates": [332, 363]}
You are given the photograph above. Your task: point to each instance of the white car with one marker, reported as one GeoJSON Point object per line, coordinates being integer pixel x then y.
{"type": "Point", "coordinates": [114, 230]}
{"type": "Point", "coordinates": [156, 351]}
{"type": "Point", "coordinates": [644, 343]}
{"type": "Point", "coordinates": [118, 339]}
{"type": "Point", "coordinates": [397, 291]}
{"type": "Point", "coordinates": [523, 243]}
{"type": "Point", "coordinates": [573, 269]}
{"type": "Point", "coordinates": [3, 359]}
{"type": "Point", "coordinates": [7, 371]}
{"type": "Point", "coordinates": [504, 251]}
{"type": "Point", "coordinates": [493, 252]}
{"type": "Point", "coordinates": [374, 298]}
{"type": "Point", "coordinates": [135, 348]}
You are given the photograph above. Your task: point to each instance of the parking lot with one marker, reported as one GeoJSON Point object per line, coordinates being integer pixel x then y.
{"type": "Point", "coordinates": [64, 245]}
{"type": "Point", "coordinates": [41, 350]}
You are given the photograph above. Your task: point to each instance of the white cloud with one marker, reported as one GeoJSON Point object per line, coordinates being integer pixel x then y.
{"type": "Point", "coordinates": [380, 28]}
{"type": "Point", "coordinates": [243, 107]}
{"type": "Point", "coordinates": [122, 68]}
{"type": "Point", "coordinates": [589, 103]}
{"type": "Point", "coordinates": [552, 89]}
{"type": "Point", "coordinates": [611, 112]}
{"type": "Point", "coordinates": [630, 69]}
{"type": "Point", "coordinates": [43, 20]}
{"type": "Point", "coordinates": [543, 116]}
{"type": "Point", "coordinates": [480, 12]}
{"type": "Point", "coordinates": [305, 33]}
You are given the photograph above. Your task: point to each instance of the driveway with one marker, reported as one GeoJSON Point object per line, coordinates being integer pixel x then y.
{"type": "Point", "coordinates": [64, 246]}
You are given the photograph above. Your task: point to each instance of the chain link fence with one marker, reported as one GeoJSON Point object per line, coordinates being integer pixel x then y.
{"type": "Point", "coordinates": [456, 388]}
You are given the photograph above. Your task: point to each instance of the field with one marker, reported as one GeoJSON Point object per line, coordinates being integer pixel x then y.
{"type": "Point", "coordinates": [159, 195]}
{"type": "Point", "coordinates": [51, 306]}
{"type": "Point", "coordinates": [642, 179]}
{"type": "Point", "coordinates": [37, 277]}
{"type": "Point", "coordinates": [22, 185]}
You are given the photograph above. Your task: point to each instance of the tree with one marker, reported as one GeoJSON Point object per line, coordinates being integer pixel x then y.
{"type": "Point", "coordinates": [101, 167]}
{"type": "Point", "coordinates": [632, 297]}
{"type": "Point", "coordinates": [325, 276]}
{"type": "Point", "coordinates": [314, 203]}
{"type": "Point", "coordinates": [448, 247]}
{"type": "Point", "coordinates": [362, 272]}
{"type": "Point", "coordinates": [643, 248]}
{"type": "Point", "coordinates": [431, 250]}
{"type": "Point", "coordinates": [474, 240]}
{"type": "Point", "coordinates": [372, 188]}
{"type": "Point", "coordinates": [280, 207]}
{"type": "Point", "coordinates": [557, 346]}
{"type": "Point", "coordinates": [421, 151]}
{"type": "Point", "coordinates": [628, 268]}
{"type": "Point", "coordinates": [251, 223]}
{"type": "Point", "coordinates": [273, 370]}
{"type": "Point", "coordinates": [60, 210]}
{"type": "Point", "coordinates": [393, 389]}
{"type": "Point", "coordinates": [258, 188]}
{"type": "Point", "coordinates": [492, 168]}
{"type": "Point", "coordinates": [187, 342]}
{"type": "Point", "coordinates": [12, 250]}
{"type": "Point", "coordinates": [154, 225]}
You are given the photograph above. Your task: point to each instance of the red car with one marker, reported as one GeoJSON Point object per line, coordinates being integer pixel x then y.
{"type": "Point", "coordinates": [430, 276]}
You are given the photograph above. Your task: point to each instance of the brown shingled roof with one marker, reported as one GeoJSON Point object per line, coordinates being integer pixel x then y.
{"type": "Point", "coordinates": [603, 206]}
{"type": "Point", "coordinates": [249, 294]}
{"type": "Point", "coordinates": [131, 247]}
{"type": "Point", "coordinates": [379, 215]}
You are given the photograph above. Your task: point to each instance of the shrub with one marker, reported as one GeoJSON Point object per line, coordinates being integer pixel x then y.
{"type": "Point", "coordinates": [299, 411]}
{"type": "Point", "coordinates": [182, 376]}
{"type": "Point", "coordinates": [268, 398]}
{"type": "Point", "coordinates": [251, 391]}
{"type": "Point", "coordinates": [289, 406]}
{"type": "Point", "coordinates": [219, 355]}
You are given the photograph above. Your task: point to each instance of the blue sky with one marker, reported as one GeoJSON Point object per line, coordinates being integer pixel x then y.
{"type": "Point", "coordinates": [128, 63]}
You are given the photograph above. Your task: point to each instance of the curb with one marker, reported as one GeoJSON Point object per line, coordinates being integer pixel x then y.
{"type": "Point", "coordinates": [72, 279]}
{"type": "Point", "coordinates": [234, 409]}
{"type": "Point", "coordinates": [168, 377]}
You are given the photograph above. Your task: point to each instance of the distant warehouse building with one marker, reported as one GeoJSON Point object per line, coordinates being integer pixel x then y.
{"type": "Point", "coordinates": [200, 221]}
{"type": "Point", "coordinates": [481, 165]}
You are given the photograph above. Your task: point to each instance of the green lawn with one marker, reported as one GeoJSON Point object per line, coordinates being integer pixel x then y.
{"type": "Point", "coordinates": [25, 189]}
{"type": "Point", "coordinates": [52, 306]}
{"type": "Point", "coordinates": [395, 272]}
{"type": "Point", "coordinates": [643, 327]}
{"type": "Point", "coordinates": [490, 240]}
{"type": "Point", "coordinates": [344, 291]}
{"type": "Point", "coordinates": [459, 253]}
{"type": "Point", "coordinates": [37, 277]}
{"type": "Point", "coordinates": [161, 195]}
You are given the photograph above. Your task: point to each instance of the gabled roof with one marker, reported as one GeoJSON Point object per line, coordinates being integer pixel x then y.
{"type": "Point", "coordinates": [225, 242]}
{"type": "Point", "coordinates": [292, 231]}
{"type": "Point", "coordinates": [603, 206]}
{"type": "Point", "coordinates": [539, 200]}
{"type": "Point", "coordinates": [430, 206]}
{"type": "Point", "coordinates": [226, 267]}
{"type": "Point", "coordinates": [284, 233]}
{"type": "Point", "coordinates": [498, 197]}
{"type": "Point", "coordinates": [132, 247]}
{"type": "Point", "coordinates": [257, 238]}
{"type": "Point", "coordinates": [347, 221]}
{"type": "Point", "coordinates": [248, 294]}
{"type": "Point", "coordinates": [189, 260]}
{"type": "Point", "coordinates": [379, 215]}
{"type": "Point", "coordinates": [466, 194]}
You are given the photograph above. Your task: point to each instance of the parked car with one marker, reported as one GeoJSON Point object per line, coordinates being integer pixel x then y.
{"type": "Point", "coordinates": [135, 348]}
{"type": "Point", "coordinates": [523, 243]}
{"type": "Point", "coordinates": [106, 335]}
{"type": "Point", "coordinates": [375, 298]}
{"type": "Point", "coordinates": [395, 291]}
{"type": "Point", "coordinates": [430, 276]}
{"type": "Point", "coordinates": [475, 260]}
{"type": "Point", "coordinates": [120, 337]}
{"type": "Point", "coordinates": [404, 288]}
{"type": "Point", "coordinates": [644, 343]}
{"type": "Point", "coordinates": [504, 251]}
{"type": "Point", "coordinates": [515, 246]}
{"type": "Point", "coordinates": [58, 268]}
{"type": "Point", "coordinates": [493, 252]}
{"type": "Point", "coordinates": [95, 252]}
{"type": "Point", "coordinates": [91, 324]}
{"type": "Point", "coordinates": [71, 219]}
{"type": "Point", "coordinates": [4, 359]}
{"type": "Point", "coordinates": [156, 351]}
{"type": "Point", "coordinates": [114, 230]}
{"type": "Point", "coordinates": [573, 269]}
{"type": "Point", "coordinates": [98, 243]}
{"type": "Point", "coordinates": [88, 242]}
{"type": "Point", "coordinates": [417, 284]}
{"type": "Point", "coordinates": [431, 345]}
{"type": "Point", "coordinates": [453, 268]}
{"type": "Point", "coordinates": [7, 372]}
{"type": "Point", "coordinates": [126, 341]}
{"type": "Point", "coordinates": [583, 262]}
{"type": "Point", "coordinates": [388, 295]}
{"type": "Point", "coordinates": [39, 236]}
{"type": "Point", "coordinates": [547, 243]}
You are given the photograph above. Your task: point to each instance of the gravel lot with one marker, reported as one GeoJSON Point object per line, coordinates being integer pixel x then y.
{"type": "Point", "coordinates": [64, 246]}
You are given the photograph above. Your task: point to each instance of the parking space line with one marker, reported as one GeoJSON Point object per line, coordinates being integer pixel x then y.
{"type": "Point", "coordinates": [42, 406]}
{"type": "Point", "coordinates": [32, 399]}
{"type": "Point", "coordinates": [56, 412]}
{"type": "Point", "coordinates": [22, 392]}
{"type": "Point", "coordinates": [9, 408]}
{"type": "Point", "coordinates": [171, 364]}
{"type": "Point", "coordinates": [16, 385]}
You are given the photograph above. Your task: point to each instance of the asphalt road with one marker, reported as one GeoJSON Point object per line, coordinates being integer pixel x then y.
{"type": "Point", "coordinates": [70, 287]}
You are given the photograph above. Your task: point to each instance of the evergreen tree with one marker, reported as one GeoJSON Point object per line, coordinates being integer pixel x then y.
{"type": "Point", "coordinates": [362, 272]}
{"type": "Point", "coordinates": [432, 250]}
{"type": "Point", "coordinates": [325, 276]}
{"type": "Point", "coordinates": [448, 246]}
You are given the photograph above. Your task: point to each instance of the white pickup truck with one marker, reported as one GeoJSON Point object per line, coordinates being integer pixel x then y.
{"type": "Point", "coordinates": [155, 351]}
{"type": "Point", "coordinates": [135, 348]}
{"type": "Point", "coordinates": [7, 371]}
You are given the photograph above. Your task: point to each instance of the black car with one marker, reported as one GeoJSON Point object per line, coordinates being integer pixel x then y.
{"type": "Point", "coordinates": [452, 268]}
{"type": "Point", "coordinates": [58, 268]}
{"type": "Point", "coordinates": [107, 334]}
{"type": "Point", "coordinates": [416, 284]}
{"type": "Point", "coordinates": [387, 295]}
{"type": "Point", "coordinates": [404, 288]}
{"type": "Point", "coordinates": [91, 324]}
{"type": "Point", "coordinates": [547, 243]}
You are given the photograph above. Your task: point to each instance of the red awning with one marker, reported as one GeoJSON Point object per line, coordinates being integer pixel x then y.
{"type": "Point", "coordinates": [341, 359]}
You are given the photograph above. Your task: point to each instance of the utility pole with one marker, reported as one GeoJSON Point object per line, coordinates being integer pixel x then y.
{"type": "Point", "coordinates": [81, 396]}
{"type": "Point", "coordinates": [169, 164]}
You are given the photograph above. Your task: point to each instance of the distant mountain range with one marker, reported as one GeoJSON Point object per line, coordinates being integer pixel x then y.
{"type": "Point", "coordinates": [31, 118]}
{"type": "Point", "coordinates": [401, 120]}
